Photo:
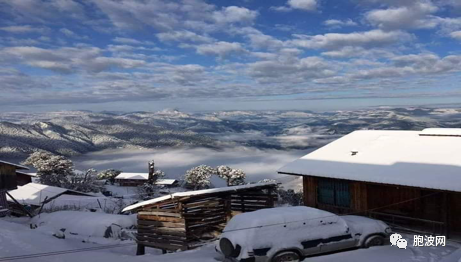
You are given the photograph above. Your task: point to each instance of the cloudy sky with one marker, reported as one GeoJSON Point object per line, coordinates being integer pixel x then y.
{"type": "Point", "coordinates": [211, 55]}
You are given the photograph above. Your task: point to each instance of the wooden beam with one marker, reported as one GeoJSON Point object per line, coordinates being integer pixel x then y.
{"type": "Point", "coordinates": [20, 206]}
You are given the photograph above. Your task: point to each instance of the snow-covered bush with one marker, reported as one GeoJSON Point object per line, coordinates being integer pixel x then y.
{"type": "Point", "coordinates": [233, 177]}
{"type": "Point", "coordinates": [85, 181]}
{"type": "Point", "coordinates": [55, 170]}
{"type": "Point", "coordinates": [158, 174]}
{"type": "Point", "coordinates": [286, 197]}
{"type": "Point", "coordinates": [290, 197]}
{"type": "Point", "coordinates": [109, 174]}
{"type": "Point", "coordinates": [199, 177]}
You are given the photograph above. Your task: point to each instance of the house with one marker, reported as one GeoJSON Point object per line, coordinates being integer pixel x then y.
{"type": "Point", "coordinates": [35, 195]}
{"type": "Point", "coordinates": [411, 179]}
{"type": "Point", "coordinates": [8, 181]}
{"type": "Point", "coordinates": [138, 179]}
{"type": "Point", "coordinates": [131, 179]}
{"type": "Point", "coordinates": [23, 178]}
{"type": "Point", "coordinates": [184, 220]}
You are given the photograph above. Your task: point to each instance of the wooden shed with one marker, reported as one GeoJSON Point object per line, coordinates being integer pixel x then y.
{"type": "Point", "coordinates": [410, 179]}
{"type": "Point", "coordinates": [8, 181]}
{"type": "Point", "coordinates": [185, 220]}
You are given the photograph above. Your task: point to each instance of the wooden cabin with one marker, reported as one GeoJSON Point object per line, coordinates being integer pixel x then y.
{"type": "Point", "coordinates": [8, 181]}
{"type": "Point", "coordinates": [127, 179]}
{"type": "Point", "coordinates": [35, 195]}
{"type": "Point", "coordinates": [410, 179]}
{"type": "Point", "coordinates": [24, 178]}
{"type": "Point", "coordinates": [138, 179]}
{"type": "Point", "coordinates": [185, 220]}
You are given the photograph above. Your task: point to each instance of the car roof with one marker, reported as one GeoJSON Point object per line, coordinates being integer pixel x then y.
{"type": "Point", "coordinates": [273, 216]}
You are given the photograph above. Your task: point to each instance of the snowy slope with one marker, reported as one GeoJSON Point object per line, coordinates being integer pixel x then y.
{"type": "Point", "coordinates": [18, 239]}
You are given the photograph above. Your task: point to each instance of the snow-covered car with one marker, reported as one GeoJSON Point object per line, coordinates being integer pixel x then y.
{"type": "Point", "coordinates": [292, 233]}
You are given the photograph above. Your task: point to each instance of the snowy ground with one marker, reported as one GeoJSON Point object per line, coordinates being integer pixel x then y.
{"type": "Point", "coordinates": [17, 239]}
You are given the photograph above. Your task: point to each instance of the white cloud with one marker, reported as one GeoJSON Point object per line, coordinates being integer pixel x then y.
{"type": "Point", "coordinates": [21, 29]}
{"type": "Point", "coordinates": [339, 23]}
{"type": "Point", "coordinates": [71, 34]}
{"type": "Point", "coordinates": [306, 5]}
{"type": "Point", "coordinates": [368, 39]}
{"type": "Point", "coordinates": [456, 35]}
{"type": "Point", "coordinates": [235, 14]}
{"type": "Point", "coordinates": [258, 40]}
{"type": "Point", "coordinates": [415, 64]}
{"type": "Point", "coordinates": [220, 49]}
{"type": "Point", "coordinates": [124, 40]}
{"type": "Point", "coordinates": [42, 11]}
{"type": "Point", "coordinates": [183, 36]}
{"type": "Point", "coordinates": [290, 69]}
{"type": "Point", "coordinates": [68, 59]}
{"type": "Point", "coordinates": [416, 15]}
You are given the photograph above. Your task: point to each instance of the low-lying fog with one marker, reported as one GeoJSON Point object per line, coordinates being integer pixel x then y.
{"type": "Point", "coordinates": [257, 164]}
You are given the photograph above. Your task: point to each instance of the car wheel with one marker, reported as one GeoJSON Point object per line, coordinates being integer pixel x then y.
{"type": "Point", "coordinates": [286, 256]}
{"type": "Point", "coordinates": [373, 241]}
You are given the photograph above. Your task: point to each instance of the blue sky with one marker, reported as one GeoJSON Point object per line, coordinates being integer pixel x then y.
{"type": "Point", "coordinates": [212, 55]}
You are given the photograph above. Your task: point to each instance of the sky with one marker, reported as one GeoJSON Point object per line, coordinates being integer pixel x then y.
{"type": "Point", "coordinates": [129, 55]}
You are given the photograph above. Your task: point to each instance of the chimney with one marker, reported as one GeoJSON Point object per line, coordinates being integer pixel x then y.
{"type": "Point", "coordinates": [151, 170]}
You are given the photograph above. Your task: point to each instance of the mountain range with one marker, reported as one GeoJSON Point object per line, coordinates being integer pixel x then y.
{"type": "Point", "coordinates": [74, 133]}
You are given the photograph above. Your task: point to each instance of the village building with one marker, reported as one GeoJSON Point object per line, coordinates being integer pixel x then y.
{"type": "Point", "coordinates": [126, 179]}
{"type": "Point", "coordinates": [410, 179]}
{"type": "Point", "coordinates": [35, 195]}
{"type": "Point", "coordinates": [8, 181]}
{"type": "Point", "coordinates": [23, 178]}
{"type": "Point", "coordinates": [184, 220]}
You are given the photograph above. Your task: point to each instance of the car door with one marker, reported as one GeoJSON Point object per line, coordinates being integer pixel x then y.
{"type": "Point", "coordinates": [341, 237]}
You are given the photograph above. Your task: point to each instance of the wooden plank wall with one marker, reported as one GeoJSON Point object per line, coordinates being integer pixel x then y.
{"type": "Point", "coordinates": [454, 213]}
{"type": "Point", "coordinates": [310, 191]}
{"type": "Point", "coordinates": [205, 218]}
{"type": "Point", "coordinates": [4, 210]}
{"type": "Point", "coordinates": [7, 177]}
{"type": "Point", "coordinates": [162, 226]}
{"type": "Point", "coordinates": [359, 197]}
{"type": "Point", "coordinates": [253, 200]}
{"type": "Point", "coordinates": [186, 223]}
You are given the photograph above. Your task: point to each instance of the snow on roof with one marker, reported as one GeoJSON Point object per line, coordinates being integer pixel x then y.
{"type": "Point", "coordinates": [137, 176]}
{"type": "Point", "coordinates": [389, 157]}
{"type": "Point", "coordinates": [165, 181]}
{"type": "Point", "coordinates": [15, 165]}
{"type": "Point", "coordinates": [35, 194]}
{"type": "Point", "coordinates": [441, 132]}
{"type": "Point", "coordinates": [26, 174]}
{"type": "Point", "coordinates": [271, 216]}
{"type": "Point", "coordinates": [196, 193]}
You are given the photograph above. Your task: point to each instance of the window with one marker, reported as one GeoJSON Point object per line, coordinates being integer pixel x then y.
{"type": "Point", "coordinates": [333, 192]}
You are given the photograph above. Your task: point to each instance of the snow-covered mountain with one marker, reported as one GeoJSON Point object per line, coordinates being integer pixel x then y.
{"type": "Point", "coordinates": [79, 132]}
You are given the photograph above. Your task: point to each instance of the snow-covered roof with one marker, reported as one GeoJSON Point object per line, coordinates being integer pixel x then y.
{"type": "Point", "coordinates": [137, 176]}
{"type": "Point", "coordinates": [390, 157]}
{"type": "Point", "coordinates": [26, 174]}
{"type": "Point", "coordinates": [15, 165]}
{"type": "Point", "coordinates": [196, 193]}
{"type": "Point", "coordinates": [35, 194]}
{"type": "Point", "coordinates": [441, 132]}
{"type": "Point", "coordinates": [165, 181]}
{"type": "Point", "coordinates": [271, 216]}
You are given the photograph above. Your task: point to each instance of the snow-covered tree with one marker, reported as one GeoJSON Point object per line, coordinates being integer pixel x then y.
{"type": "Point", "coordinates": [158, 174]}
{"type": "Point", "coordinates": [199, 177]}
{"type": "Point", "coordinates": [55, 170]}
{"type": "Point", "coordinates": [52, 169]}
{"type": "Point", "coordinates": [233, 177]}
{"type": "Point", "coordinates": [85, 181]}
{"type": "Point", "coordinates": [109, 174]}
